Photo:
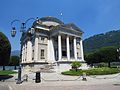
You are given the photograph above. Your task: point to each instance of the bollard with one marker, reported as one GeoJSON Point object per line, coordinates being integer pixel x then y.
{"type": "Point", "coordinates": [38, 77]}
{"type": "Point", "coordinates": [84, 77]}
{"type": "Point", "coordinates": [26, 77]}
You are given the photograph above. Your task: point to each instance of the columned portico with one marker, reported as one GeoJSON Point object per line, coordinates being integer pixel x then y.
{"type": "Point", "coordinates": [68, 47]}
{"type": "Point", "coordinates": [75, 50]}
{"type": "Point", "coordinates": [59, 48]}
{"type": "Point", "coordinates": [52, 42]}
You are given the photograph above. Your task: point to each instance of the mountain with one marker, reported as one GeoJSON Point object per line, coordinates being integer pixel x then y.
{"type": "Point", "coordinates": [111, 38]}
{"type": "Point", "coordinates": [15, 53]}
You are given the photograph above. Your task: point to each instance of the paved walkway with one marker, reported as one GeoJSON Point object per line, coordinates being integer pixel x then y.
{"type": "Point", "coordinates": [53, 81]}
{"type": "Point", "coordinates": [4, 87]}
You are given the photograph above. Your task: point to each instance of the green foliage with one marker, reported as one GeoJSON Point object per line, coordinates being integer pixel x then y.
{"type": "Point", "coordinates": [72, 73]}
{"type": "Point", "coordinates": [93, 71]}
{"type": "Point", "coordinates": [102, 64]}
{"type": "Point", "coordinates": [104, 54]}
{"type": "Point", "coordinates": [5, 50]}
{"type": "Point", "coordinates": [6, 72]}
{"type": "Point", "coordinates": [108, 54]}
{"type": "Point", "coordinates": [111, 38]}
{"type": "Point", "coordinates": [75, 65]}
{"type": "Point", "coordinates": [14, 61]}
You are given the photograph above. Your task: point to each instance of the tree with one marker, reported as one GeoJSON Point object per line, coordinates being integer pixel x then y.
{"type": "Point", "coordinates": [5, 50]}
{"type": "Point", "coordinates": [75, 65]}
{"type": "Point", "coordinates": [93, 57]}
{"type": "Point", "coordinates": [105, 54]}
{"type": "Point", "coordinates": [89, 58]}
{"type": "Point", "coordinates": [14, 61]}
{"type": "Point", "coordinates": [108, 54]}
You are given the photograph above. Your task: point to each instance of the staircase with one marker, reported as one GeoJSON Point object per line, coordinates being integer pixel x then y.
{"type": "Point", "coordinates": [47, 68]}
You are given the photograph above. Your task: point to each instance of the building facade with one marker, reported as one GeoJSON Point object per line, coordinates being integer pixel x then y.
{"type": "Point", "coordinates": [50, 41]}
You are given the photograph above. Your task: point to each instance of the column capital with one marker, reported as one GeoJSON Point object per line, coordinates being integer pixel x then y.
{"type": "Point", "coordinates": [36, 36]}
{"type": "Point", "coordinates": [67, 35]}
{"type": "Point", "coordinates": [74, 38]}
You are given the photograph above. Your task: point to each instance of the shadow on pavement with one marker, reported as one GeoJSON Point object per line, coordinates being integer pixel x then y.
{"type": "Point", "coordinates": [5, 77]}
{"type": "Point", "coordinates": [117, 84]}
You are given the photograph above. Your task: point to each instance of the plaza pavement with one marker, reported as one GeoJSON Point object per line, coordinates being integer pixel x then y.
{"type": "Point", "coordinates": [56, 81]}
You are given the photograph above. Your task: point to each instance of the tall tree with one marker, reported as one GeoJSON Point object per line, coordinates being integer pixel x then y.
{"type": "Point", "coordinates": [5, 50]}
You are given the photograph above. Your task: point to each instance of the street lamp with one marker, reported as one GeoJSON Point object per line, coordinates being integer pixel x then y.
{"type": "Point", "coordinates": [13, 33]}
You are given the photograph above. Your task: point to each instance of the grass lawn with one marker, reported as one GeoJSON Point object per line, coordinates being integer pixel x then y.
{"type": "Point", "coordinates": [93, 71]}
{"type": "Point", "coordinates": [7, 72]}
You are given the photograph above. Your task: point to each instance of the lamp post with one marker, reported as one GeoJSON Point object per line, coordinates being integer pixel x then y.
{"type": "Point", "coordinates": [118, 50]}
{"type": "Point", "coordinates": [13, 33]}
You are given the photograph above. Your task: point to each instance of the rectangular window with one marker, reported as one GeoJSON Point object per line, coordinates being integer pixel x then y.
{"type": "Point", "coordinates": [42, 54]}
{"type": "Point", "coordinates": [33, 55]}
{"type": "Point", "coordinates": [42, 38]}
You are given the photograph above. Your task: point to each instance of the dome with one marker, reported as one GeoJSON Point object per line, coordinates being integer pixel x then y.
{"type": "Point", "coordinates": [52, 19]}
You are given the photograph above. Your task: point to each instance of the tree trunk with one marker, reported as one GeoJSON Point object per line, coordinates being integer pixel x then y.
{"type": "Point", "coordinates": [91, 64]}
{"type": "Point", "coordinates": [76, 69]}
{"type": "Point", "coordinates": [3, 67]}
{"type": "Point", "coordinates": [15, 67]}
{"type": "Point", "coordinates": [109, 64]}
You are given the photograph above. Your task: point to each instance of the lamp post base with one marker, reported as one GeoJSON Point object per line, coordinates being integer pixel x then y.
{"type": "Point", "coordinates": [18, 82]}
{"type": "Point", "coordinates": [19, 75]}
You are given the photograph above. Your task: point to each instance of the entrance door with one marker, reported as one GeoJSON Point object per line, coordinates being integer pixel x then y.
{"type": "Point", "coordinates": [64, 53]}
{"type": "Point", "coordinates": [56, 55]}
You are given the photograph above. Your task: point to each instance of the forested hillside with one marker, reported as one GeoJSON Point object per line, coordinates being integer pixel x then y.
{"type": "Point", "coordinates": [111, 38]}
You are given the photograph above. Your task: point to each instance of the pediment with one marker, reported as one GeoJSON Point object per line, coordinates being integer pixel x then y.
{"type": "Point", "coordinates": [72, 26]}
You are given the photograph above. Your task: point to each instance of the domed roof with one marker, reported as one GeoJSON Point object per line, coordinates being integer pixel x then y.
{"type": "Point", "coordinates": [50, 18]}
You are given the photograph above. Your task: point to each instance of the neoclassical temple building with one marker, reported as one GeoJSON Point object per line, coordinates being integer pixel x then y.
{"type": "Point", "coordinates": [50, 41]}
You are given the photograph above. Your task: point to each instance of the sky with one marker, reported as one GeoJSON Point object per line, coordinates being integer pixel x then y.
{"type": "Point", "coordinates": [91, 16]}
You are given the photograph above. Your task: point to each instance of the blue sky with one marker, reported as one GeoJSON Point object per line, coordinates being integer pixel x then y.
{"type": "Point", "coordinates": [92, 16]}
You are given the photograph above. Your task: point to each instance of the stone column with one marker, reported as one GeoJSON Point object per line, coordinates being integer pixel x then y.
{"type": "Point", "coordinates": [81, 50]}
{"type": "Point", "coordinates": [51, 51]}
{"type": "Point", "coordinates": [29, 51]}
{"type": "Point", "coordinates": [59, 48]}
{"type": "Point", "coordinates": [25, 54]}
{"type": "Point", "coordinates": [68, 47]}
{"type": "Point", "coordinates": [22, 53]}
{"type": "Point", "coordinates": [75, 49]}
{"type": "Point", "coordinates": [36, 49]}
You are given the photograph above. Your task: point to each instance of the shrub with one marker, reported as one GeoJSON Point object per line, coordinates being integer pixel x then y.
{"type": "Point", "coordinates": [7, 72]}
{"type": "Point", "coordinates": [93, 71]}
{"type": "Point", "coordinates": [75, 65]}
{"type": "Point", "coordinates": [102, 64]}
